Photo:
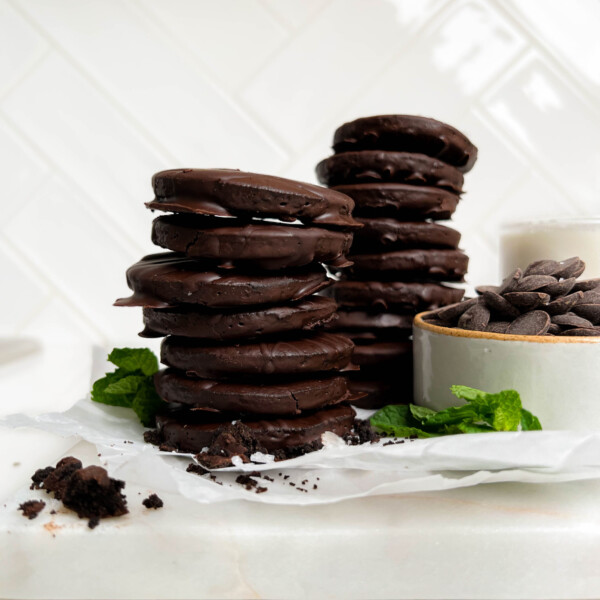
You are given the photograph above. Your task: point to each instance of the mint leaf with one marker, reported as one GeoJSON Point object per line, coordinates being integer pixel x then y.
{"type": "Point", "coordinates": [147, 403]}
{"type": "Point", "coordinates": [507, 411]}
{"type": "Point", "coordinates": [471, 428]}
{"type": "Point", "coordinates": [134, 359]}
{"type": "Point", "coordinates": [129, 384]}
{"type": "Point", "coordinates": [470, 394]}
{"type": "Point", "coordinates": [132, 384]}
{"type": "Point", "coordinates": [99, 390]}
{"type": "Point", "coordinates": [529, 422]}
{"type": "Point", "coordinates": [421, 413]}
{"type": "Point", "coordinates": [451, 416]}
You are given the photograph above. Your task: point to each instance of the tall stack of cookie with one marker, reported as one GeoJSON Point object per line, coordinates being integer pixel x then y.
{"type": "Point", "coordinates": [235, 297]}
{"type": "Point", "coordinates": [404, 174]}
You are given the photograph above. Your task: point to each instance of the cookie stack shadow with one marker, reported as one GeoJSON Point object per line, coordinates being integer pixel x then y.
{"type": "Point", "coordinates": [404, 174]}
{"type": "Point", "coordinates": [247, 366]}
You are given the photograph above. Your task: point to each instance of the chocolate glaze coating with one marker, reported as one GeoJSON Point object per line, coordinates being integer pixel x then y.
{"type": "Point", "coordinates": [269, 398]}
{"type": "Point", "coordinates": [407, 133]}
{"type": "Point", "coordinates": [389, 234]}
{"type": "Point", "coordinates": [379, 392]}
{"type": "Point", "coordinates": [229, 325]}
{"type": "Point", "coordinates": [442, 265]}
{"type": "Point", "coordinates": [411, 297]}
{"type": "Point", "coordinates": [303, 353]}
{"type": "Point", "coordinates": [192, 432]}
{"type": "Point", "coordinates": [382, 166]}
{"type": "Point", "coordinates": [228, 192]}
{"type": "Point", "coordinates": [383, 354]}
{"type": "Point", "coordinates": [167, 279]}
{"type": "Point", "coordinates": [266, 246]}
{"type": "Point", "coordinates": [402, 201]}
{"type": "Point", "coordinates": [349, 320]}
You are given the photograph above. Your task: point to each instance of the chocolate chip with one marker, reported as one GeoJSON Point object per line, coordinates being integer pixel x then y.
{"type": "Point", "coordinates": [591, 312]}
{"type": "Point", "coordinates": [542, 267]}
{"type": "Point", "coordinates": [572, 267]}
{"type": "Point", "coordinates": [510, 283]}
{"type": "Point", "coordinates": [475, 318]}
{"type": "Point", "coordinates": [531, 283]}
{"type": "Point", "coordinates": [527, 300]}
{"type": "Point", "coordinates": [586, 285]}
{"type": "Point", "coordinates": [590, 297]}
{"type": "Point", "coordinates": [559, 288]}
{"type": "Point", "coordinates": [582, 332]}
{"type": "Point", "coordinates": [554, 329]}
{"type": "Point", "coordinates": [564, 304]}
{"type": "Point", "coordinates": [536, 322]}
{"type": "Point", "coordinates": [498, 304]}
{"type": "Point", "coordinates": [454, 311]}
{"type": "Point", "coordinates": [497, 327]}
{"type": "Point", "coordinates": [571, 320]}
{"type": "Point", "coordinates": [481, 289]}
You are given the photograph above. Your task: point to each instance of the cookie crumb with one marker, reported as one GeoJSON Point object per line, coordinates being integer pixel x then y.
{"type": "Point", "coordinates": [32, 508]}
{"type": "Point", "coordinates": [153, 501]}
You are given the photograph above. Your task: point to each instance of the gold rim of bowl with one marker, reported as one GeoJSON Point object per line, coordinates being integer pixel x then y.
{"type": "Point", "coordinates": [484, 335]}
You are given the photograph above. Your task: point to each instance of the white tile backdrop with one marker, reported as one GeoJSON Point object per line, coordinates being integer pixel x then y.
{"type": "Point", "coordinates": [96, 95]}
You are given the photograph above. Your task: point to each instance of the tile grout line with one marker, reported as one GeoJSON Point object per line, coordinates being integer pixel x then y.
{"type": "Point", "coordinates": [556, 60]}
{"type": "Point", "coordinates": [93, 208]}
{"type": "Point", "coordinates": [279, 143]}
{"type": "Point", "coordinates": [55, 290]}
{"type": "Point", "coordinates": [440, 10]}
{"type": "Point", "coordinates": [105, 94]}
{"type": "Point", "coordinates": [33, 65]}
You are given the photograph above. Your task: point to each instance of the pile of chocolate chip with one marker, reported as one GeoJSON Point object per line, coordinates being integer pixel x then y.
{"type": "Point", "coordinates": [404, 174]}
{"type": "Point", "coordinates": [247, 368]}
{"type": "Point", "coordinates": [544, 299]}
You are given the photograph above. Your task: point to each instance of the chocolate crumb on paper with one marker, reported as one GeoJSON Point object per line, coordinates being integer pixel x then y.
{"type": "Point", "coordinates": [153, 501]}
{"type": "Point", "coordinates": [32, 508]}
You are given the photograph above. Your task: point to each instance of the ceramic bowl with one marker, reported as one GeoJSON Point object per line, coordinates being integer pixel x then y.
{"type": "Point", "coordinates": [558, 378]}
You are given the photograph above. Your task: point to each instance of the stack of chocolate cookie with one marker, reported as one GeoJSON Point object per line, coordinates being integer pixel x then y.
{"type": "Point", "coordinates": [235, 297]}
{"type": "Point", "coordinates": [404, 174]}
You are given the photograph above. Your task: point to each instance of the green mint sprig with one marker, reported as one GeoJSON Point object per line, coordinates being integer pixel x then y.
{"type": "Point", "coordinates": [482, 413]}
{"type": "Point", "coordinates": [131, 385]}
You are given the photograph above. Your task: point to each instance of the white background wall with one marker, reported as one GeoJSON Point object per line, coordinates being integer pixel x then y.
{"type": "Point", "coordinates": [96, 95]}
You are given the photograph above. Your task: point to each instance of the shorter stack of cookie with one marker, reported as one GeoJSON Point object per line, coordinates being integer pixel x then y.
{"type": "Point", "coordinates": [404, 173]}
{"type": "Point", "coordinates": [235, 297]}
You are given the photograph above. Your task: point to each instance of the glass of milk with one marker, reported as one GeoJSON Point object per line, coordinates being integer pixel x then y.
{"type": "Point", "coordinates": [525, 242]}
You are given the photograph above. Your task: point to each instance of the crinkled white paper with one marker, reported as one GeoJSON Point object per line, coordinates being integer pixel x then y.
{"type": "Point", "coordinates": [338, 471]}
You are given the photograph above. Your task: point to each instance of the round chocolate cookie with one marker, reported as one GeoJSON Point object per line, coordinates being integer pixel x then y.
{"type": "Point", "coordinates": [382, 354]}
{"type": "Point", "coordinates": [228, 192]}
{"type": "Point", "coordinates": [402, 201]}
{"type": "Point", "coordinates": [193, 432]}
{"type": "Point", "coordinates": [272, 398]}
{"type": "Point", "coordinates": [411, 297]}
{"type": "Point", "coordinates": [389, 234]}
{"type": "Point", "coordinates": [304, 353]}
{"type": "Point", "coordinates": [377, 392]}
{"type": "Point", "coordinates": [407, 133]}
{"type": "Point", "coordinates": [266, 246]}
{"type": "Point", "coordinates": [188, 322]}
{"type": "Point", "coordinates": [359, 320]}
{"type": "Point", "coordinates": [167, 279]}
{"type": "Point", "coordinates": [381, 166]}
{"type": "Point", "coordinates": [442, 265]}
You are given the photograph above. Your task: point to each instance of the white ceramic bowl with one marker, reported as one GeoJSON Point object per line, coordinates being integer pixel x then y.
{"type": "Point", "coordinates": [558, 378]}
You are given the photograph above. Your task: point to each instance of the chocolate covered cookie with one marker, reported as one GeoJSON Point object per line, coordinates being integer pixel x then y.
{"type": "Point", "coordinates": [228, 192]}
{"type": "Point", "coordinates": [411, 297]}
{"type": "Point", "coordinates": [382, 166]}
{"type": "Point", "coordinates": [273, 397]}
{"type": "Point", "coordinates": [402, 201]}
{"type": "Point", "coordinates": [381, 322]}
{"type": "Point", "coordinates": [441, 265]}
{"type": "Point", "coordinates": [389, 234]}
{"type": "Point", "coordinates": [167, 279]}
{"type": "Point", "coordinates": [407, 133]}
{"type": "Point", "coordinates": [235, 324]}
{"type": "Point", "coordinates": [195, 431]}
{"type": "Point", "coordinates": [383, 354]}
{"type": "Point", "coordinates": [302, 353]}
{"type": "Point", "coordinates": [266, 246]}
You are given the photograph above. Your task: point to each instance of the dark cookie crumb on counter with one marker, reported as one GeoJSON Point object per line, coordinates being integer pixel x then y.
{"type": "Point", "coordinates": [32, 508]}
{"type": "Point", "coordinates": [153, 501]}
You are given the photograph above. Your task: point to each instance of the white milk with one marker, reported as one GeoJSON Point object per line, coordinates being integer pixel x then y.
{"type": "Point", "coordinates": [524, 243]}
